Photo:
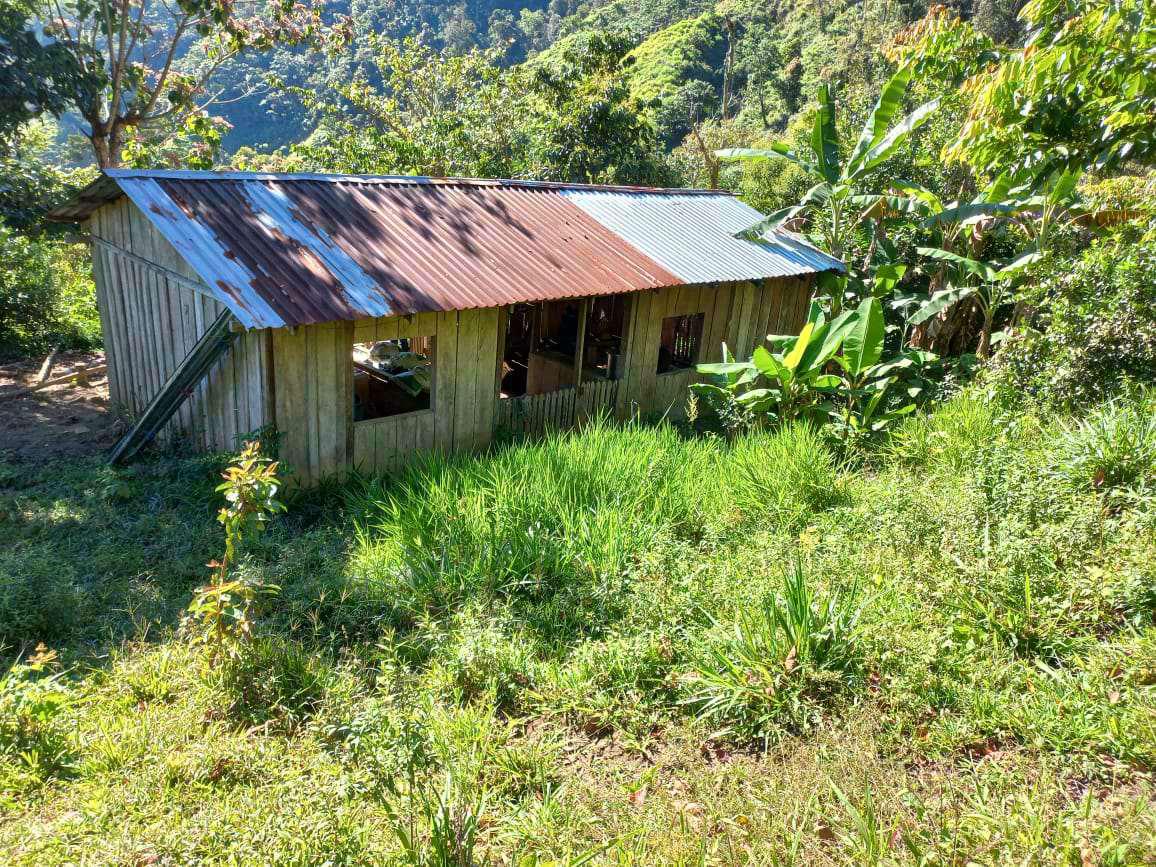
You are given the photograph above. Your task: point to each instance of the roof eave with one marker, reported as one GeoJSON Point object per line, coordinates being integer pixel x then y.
{"type": "Point", "coordinates": [103, 190]}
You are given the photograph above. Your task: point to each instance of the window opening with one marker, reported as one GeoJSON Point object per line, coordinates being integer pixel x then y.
{"type": "Point", "coordinates": [679, 345]}
{"type": "Point", "coordinates": [392, 377]}
{"type": "Point", "coordinates": [605, 338]}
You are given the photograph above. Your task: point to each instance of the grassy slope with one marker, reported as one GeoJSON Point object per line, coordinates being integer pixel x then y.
{"type": "Point", "coordinates": [536, 639]}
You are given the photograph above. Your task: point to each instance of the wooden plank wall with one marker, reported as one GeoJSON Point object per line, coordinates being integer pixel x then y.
{"type": "Point", "coordinates": [314, 393]}
{"type": "Point", "coordinates": [151, 320]}
{"type": "Point", "coordinates": [742, 314]}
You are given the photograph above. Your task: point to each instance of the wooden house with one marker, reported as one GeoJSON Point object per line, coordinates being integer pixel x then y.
{"type": "Point", "coordinates": [368, 318]}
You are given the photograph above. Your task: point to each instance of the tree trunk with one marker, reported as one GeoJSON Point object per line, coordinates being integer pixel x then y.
{"type": "Point", "coordinates": [984, 348]}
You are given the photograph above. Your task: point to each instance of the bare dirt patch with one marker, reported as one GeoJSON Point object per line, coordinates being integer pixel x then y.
{"type": "Point", "coordinates": [72, 419]}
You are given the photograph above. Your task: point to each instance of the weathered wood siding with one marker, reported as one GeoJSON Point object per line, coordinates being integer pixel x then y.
{"type": "Point", "coordinates": [151, 316]}
{"type": "Point", "coordinates": [742, 314]}
{"type": "Point", "coordinates": [314, 387]}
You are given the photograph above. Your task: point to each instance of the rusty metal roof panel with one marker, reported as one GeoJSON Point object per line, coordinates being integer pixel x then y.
{"type": "Point", "coordinates": [316, 250]}
{"type": "Point", "coordinates": [296, 249]}
{"type": "Point", "coordinates": [694, 236]}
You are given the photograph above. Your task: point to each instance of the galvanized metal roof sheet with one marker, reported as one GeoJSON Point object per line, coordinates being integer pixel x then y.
{"type": "Point", "coordinates": [695, 236]}
{"type": "Point", "coordinates": [295, 249]}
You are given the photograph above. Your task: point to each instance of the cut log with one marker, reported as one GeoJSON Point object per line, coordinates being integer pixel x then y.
{"type": "Point", "coordinates": [46, 367]}
{"type": "Point", "coordinates": [81, 374]}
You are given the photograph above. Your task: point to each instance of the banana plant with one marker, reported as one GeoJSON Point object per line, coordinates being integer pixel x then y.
{"type": "Point", "coordinates": [989, 284]}
{"type": "Point", "coordinates": [832, 205]}
{"type": "Point", "coordinates": [790, 378]}
{"type": "Point", "coordinates": [865, 377]}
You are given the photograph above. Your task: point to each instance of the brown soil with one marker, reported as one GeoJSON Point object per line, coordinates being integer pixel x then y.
{"type": "Point", "coordinates": [67, 420]}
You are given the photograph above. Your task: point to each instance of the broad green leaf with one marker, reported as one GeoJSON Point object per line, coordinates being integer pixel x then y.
{"type": "Point", "coordinates": [863, 344]}
{"type": "Point", "coordinates": [1018, 265]}
{"type": "Point", "coordinates": [709, 391]}
{"type": "Point", "coordinates": [888, 367]}
{"type": "Point", "coordinates": [824, 137]}
{"type": "Point", "coordinates": [778, 150]}
{"type": "Point", "coordinates": [891, 141]}
{"type": "Point", "coordinates": [815, 313]}
{"type": "Point", "coordinates": [771, 223]}
{"type": "Point", "coordinates": [999, 189]}
{"type": "Point", "coordinates": [767, 364]}
{"type": "Point", "coordinates": [1063, 186]}
{"type": "Point", "coordinates": [827, 380]}
{"type": "Point", "coordinates": [940, 301]}
{"type": "Point", "coordinates": [980, 269]}
{"type": "Point", "coordinates": [890, 101]}
{"type": "Point", "coordinates": [834, 337]}
{"type": "Point", "coordinates": [792, 359]}
{"type": "Point", "coordinates": [755, 394]}
{"type": "Point", "coordinates": [873, 404]}
{"type": "Point", "coordinates": [723, 368]}
{"type": "Point", "coordinates": [887, 276]}
{"type": "Point", "coordinates": [818, 351]}
{"type": "Point", "coordinates": [969, 212]}
{"type": "Point", "coordinates": [916, 191]}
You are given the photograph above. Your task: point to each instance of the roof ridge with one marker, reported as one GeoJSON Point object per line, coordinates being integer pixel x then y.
{"type": "Point", "coordinates": [403, 180]}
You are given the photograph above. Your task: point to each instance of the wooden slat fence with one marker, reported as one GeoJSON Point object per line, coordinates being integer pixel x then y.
{"type": "Point", "coordinates": [535, 414]}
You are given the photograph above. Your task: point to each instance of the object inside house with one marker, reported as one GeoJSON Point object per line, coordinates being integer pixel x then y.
{"type": "Point", "coordinates": [543, 342]}
{"type": "Point", "coordinates": [679, 342]}
{"type": "Point", "coordinates": [392, 377]}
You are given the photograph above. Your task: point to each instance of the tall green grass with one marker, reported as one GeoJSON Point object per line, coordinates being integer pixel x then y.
{"type": "Point", "coordinates": [570, 514]}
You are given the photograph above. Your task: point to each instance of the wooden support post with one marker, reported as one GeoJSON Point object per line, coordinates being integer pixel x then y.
{"type": "Point", "coordinates": [580, 343]}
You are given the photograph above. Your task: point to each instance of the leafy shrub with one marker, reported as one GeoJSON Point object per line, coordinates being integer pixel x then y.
{"type": "Point", "coordinates": [46, 295]}
{"type": "Point", "coordinates": [453, 824]}
{"type": "Point", "coordinates": [1097, 329]}
{"type": "Point", "coordinates": [785, 660]}
{"type": "Point", "coordinates": [1112, 450]}
{"type": "Point", "coordinates": [220, 615]}
{"type": "Point", "coordinates": [40, 600]}
{"type": "Point", "coordinates": [34, 741]}
{"type": "Point", "coordinates": [1027, 625]}
{"type": "Point", "coordinates": [272, 680]}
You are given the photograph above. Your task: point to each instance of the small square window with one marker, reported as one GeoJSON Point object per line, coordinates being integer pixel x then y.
{"type": "Point", "coordinates": [392, 377]}
{"type": "Point", "coordinates": [679, 345]}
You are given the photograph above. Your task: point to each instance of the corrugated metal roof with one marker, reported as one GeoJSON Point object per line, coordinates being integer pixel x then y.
{"type": "Point", "coordinates": [694, 236]}
{"type": "Point", "coordinates": [297, 249]}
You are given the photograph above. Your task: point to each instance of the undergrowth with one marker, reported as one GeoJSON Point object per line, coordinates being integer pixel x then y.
{"type": "Point", "coordinates": [619, 645]}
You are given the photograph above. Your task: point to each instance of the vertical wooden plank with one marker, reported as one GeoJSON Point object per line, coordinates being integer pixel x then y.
{"type": "Point", "coordinates": [465, 431]}
{"type": "Point", "coordinates": [151, 360]}
{"type": "Point", "coordinates": [111, 322]}
{"type": "Point", "coordinates": [385, 435]}
{"type": "Point", "coordinates": [323, 370]}
{"type": "Point", "coordinates": [292, 408]}
{"type": "Point", "coordinates": [426, 431]}
{"type": "Point", "coordinates": [210, 424]}
{"type": "Point", "coordinates": [128, 306]}
{"type": "Point", "coordinates": [445, 380]}
{"type": "Point", "coordinates": [486, 384]}
{"type": "Point", "coordinates": [343, 395]}
{"type": "Point", "coordinates": [364, 447]}
{"type": "Point", "coordinates": [745, 320]}
{"type": "Point", "coordinates": [157, 293]}
{"type": "Point", "coordinates": [659, 310]}
{"type": "Point", "coordinates": [637, 350]}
